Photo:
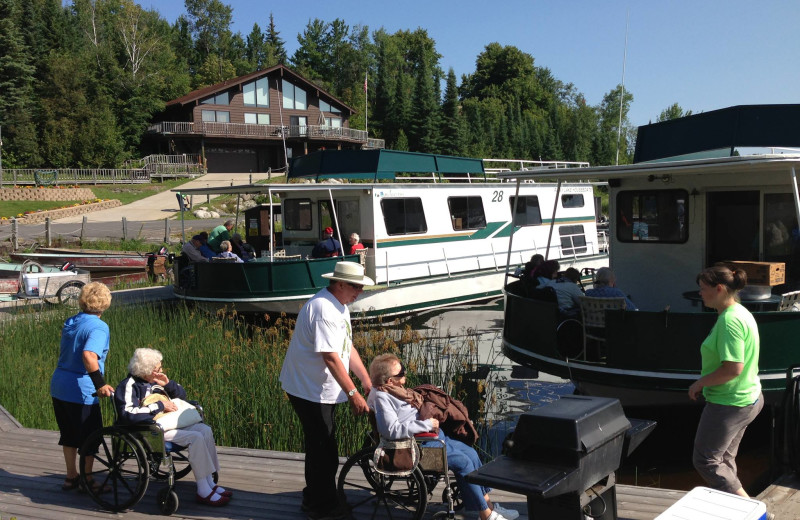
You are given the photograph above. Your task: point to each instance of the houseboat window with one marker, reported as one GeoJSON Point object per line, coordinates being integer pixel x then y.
{"type": "Point", "coordinates": [527, 212]}
{"type": "Point", "coordinates": [466, 213]}
{"type": "Point", "coordinates": [327, 107]}
{"type": "Point", "coordinates": [572, 200]}
{"type": "Point", "coordinates": [218, 99]}
{"type": "Point", "coordinates": [781, 237]}
{"type": "Point", "coordinates": [573, 241]}
{"type": "Point", "coordinates": [218, 116]}
{"type": "Point", "coordinates": [403, 216]}
{"type": "Point", "coordinates": [256, 93]}
{"type": "Point", "coordinates": [256, 119]}
{"type": "Point", "coordinates": [652, 216]}
{"type": "Point", "coordinates": [297, 214]}
{"type": "Point", "coordinates": [293, 97]}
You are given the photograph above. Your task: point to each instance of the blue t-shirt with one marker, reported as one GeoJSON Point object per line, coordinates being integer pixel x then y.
{"type": "Point", "coordinates": [71, 381]}
{"type": "Point", "coordinates": [604, 291]}
{"type": "Point", "coordinates": [206, 251]}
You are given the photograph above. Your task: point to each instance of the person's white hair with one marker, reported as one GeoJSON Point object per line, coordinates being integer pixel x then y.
{"type": "Point", "coordinates": [356, 237]}
{"type": "Point", "coordinates": [604, 276]}
{"type": "Point", "coordinates": [143, 362]}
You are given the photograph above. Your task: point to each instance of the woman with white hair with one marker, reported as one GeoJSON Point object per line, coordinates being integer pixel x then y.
{"type": "Point", "coordinates": [145, 375]}
{"type": "Point", "coordinates": [355, 243]}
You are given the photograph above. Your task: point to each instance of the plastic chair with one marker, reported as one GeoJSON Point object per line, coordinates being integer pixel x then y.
{"type": "Point", "coordinates": [593, 311]}
{"type": "Point", "coordinates": [790, 301]}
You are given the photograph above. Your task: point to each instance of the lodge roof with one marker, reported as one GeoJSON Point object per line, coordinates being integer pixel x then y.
{"type": "Point", "coordinates": [200, 93]}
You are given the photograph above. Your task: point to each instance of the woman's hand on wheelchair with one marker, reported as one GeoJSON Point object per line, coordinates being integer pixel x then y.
{"type": "Point", "coordinates": [105, 391]}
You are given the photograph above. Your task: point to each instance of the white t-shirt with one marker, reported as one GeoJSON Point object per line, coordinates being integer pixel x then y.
{"type": "Point", "coordinates": [323, 325]}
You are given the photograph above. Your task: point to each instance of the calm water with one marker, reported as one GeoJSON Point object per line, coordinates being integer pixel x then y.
{"type": "Point", "coordinates": [662, 460]}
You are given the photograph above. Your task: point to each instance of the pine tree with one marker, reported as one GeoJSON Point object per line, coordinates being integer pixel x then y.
{"type": "Point", "coordinates": [453, 139]}
{"type": "Point", "coordinates": [277, 50]}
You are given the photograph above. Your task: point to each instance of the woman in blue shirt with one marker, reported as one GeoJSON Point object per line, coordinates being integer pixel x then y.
{"type": "Point", "coordinates": [79, 374]}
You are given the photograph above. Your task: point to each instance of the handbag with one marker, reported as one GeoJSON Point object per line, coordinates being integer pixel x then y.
{"type": "Point", "coordinates": [396, 458]}
{"type": "Point", "coordinates": [185, 415]}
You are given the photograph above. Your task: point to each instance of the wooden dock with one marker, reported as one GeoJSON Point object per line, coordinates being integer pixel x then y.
{"type": "Point", "coordinates": [267, 484]}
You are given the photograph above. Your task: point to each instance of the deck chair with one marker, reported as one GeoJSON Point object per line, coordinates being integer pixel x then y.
{"type": "Point", "coordinates": [790, 301]}
{"type": "Point", "coordinates": [593, 312]}
{"type": "Point", "coordinates": [362, 256]}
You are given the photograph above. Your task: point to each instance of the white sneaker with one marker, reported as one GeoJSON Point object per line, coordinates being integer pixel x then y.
{"type": "Point", "coordinates": [496, 516]}
{"type": "Point", "coordinates": [508, 514]}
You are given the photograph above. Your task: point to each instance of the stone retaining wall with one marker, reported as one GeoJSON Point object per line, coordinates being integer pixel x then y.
{"type": "Point", "coordinates": [40, 216]}
{"type": "Point", "coordinates": [46, 194]}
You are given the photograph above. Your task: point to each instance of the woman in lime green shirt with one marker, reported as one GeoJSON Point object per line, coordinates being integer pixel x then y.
{"type": "Point", "coordinates": [728, 380]}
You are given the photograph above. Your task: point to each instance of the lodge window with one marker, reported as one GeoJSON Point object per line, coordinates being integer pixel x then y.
{"type": "Point", "coordinates": [218, 116]}
{"type": "Point", "coordinates": [256, 93]}
{"type": "Point", "coordinates": [333, 122]}
{"type": "Point", "coordinates": [573, 240]}
{"type": "Point", "coordinates": [526, 212]}
{"type": "Point", "coordinates": [652, 216]}
{"type": "Point", "coordinates": [218, 99]}
{"type": "Point", "coordinates": [403, 216]}
{"type": "Point", "coordinates": [293, 97]}
{"type": "Point", "coordinates": [256, 119]}
{"type": "Point", "coordinates": [327, 107]}
{"type": "Point", "coordinates": [466, 213]}
{"type": "Point", "coordinates": [297, 214]}
{"type": "Point", "coordinates": [572, 200]}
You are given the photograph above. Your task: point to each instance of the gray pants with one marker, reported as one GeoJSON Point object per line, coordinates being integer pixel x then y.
{"type": "Point", "coordinates": [717, 441]}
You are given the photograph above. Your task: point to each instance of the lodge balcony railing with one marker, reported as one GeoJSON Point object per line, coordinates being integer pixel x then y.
{"type": "Point", "coordinates": [247, 130]}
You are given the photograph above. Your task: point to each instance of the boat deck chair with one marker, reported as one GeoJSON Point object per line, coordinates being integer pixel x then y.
{"type": "Point", "coordinates": [593, 312]}
{"type": "Point", "coordinates": [362, 256]}
{"type": "Point", "coordinates": [790, 301]}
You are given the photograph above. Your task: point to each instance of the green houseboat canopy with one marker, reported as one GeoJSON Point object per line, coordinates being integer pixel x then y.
{"type": "Point", "coordinates": [378, 164]}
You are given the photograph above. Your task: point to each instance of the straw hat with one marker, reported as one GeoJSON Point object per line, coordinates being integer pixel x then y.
{"type": "Point", "coordinates": [349, 272]}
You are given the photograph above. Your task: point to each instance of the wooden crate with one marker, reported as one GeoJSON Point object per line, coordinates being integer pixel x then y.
{"type": "Point", "coordinates": [763, 273]}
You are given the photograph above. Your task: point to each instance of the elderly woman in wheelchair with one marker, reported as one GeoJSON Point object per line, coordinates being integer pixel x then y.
{"type": "Point", "coordinates": [146, 395]}
{"type": "Point", "coordinates": [397, 416]}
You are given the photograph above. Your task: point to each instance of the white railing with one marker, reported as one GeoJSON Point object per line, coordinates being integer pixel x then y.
{"type": "Point", "coordinates": [509, 165]}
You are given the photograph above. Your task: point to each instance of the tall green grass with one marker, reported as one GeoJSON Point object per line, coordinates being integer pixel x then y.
{"type": "Point", "coordinates": [231, 367]}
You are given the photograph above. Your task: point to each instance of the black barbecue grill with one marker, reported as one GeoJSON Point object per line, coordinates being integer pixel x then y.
{"type": "Point", "coordinates": [563, 456]}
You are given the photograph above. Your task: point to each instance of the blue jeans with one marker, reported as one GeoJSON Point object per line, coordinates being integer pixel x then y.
{"type": "Point", "coordinates": [463, 460]}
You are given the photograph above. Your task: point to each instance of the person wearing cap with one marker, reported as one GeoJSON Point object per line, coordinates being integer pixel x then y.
{"type": "Point", "coordinates": [192, 249]}
{"type": "Point", "coordinates": [316, 377]}
{"type": "Point", "coordinates": [328, 247]}
{"type": "Point", "coordinates": [218, 234]}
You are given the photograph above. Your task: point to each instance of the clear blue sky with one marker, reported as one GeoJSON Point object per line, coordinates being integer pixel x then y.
{"type": "Point", "coordinates": [701, 54]}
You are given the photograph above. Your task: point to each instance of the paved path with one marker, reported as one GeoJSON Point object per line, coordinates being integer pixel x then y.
{"type": "Point", "coordinates": [164, 204]}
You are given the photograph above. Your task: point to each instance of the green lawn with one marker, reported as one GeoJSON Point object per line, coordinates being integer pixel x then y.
{"type": "Point", "coordinates": [12, 208]}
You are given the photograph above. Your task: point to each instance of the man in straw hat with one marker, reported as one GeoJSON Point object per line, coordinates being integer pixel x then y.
{"type": "Point", "coordinates": [316, 376]}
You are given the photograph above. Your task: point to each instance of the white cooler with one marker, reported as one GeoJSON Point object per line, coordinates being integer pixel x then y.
{"type": "Point", "coordinates": [33, 282]}
{"type": "Point", "coordinates": [703, 503]}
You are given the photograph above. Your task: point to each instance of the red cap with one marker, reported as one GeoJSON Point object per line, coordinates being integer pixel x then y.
{"type": "Point", "coordinates": [329, 230]}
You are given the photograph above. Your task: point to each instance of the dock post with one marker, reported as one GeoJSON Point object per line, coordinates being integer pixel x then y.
{"type": "Point", "coordinates": [166, 230]}
{"type": "Point", "coordinates": [124, 228]}
{"type": "Point", "coordinates": [47, 232]}
{"type": "Point", "coordinates": [83, 228]}
{"type": "Point", "coordinates": [14, 234]}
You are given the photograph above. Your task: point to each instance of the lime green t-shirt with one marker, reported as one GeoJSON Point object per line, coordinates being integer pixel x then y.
{"type": "Point", "coordinates": [734, 337]}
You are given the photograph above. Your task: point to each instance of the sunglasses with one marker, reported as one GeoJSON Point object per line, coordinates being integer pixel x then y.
{"type": "Point", "coordinates": [402, 372]}
{"type": "Point", "coordinates": [355, 286]}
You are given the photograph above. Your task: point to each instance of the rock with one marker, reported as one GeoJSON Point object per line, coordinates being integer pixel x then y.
{"type": "Point", "coordinates": [202, 213]}
{"type": "Point", "coordinates": [249, 204]}
{"type": "Point", "coordinates": [213, 214]}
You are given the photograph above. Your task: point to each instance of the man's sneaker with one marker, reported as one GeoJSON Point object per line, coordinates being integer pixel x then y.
{"type": "Point", "coordinates": [496, 516]}
{"type": "Point", "coordinates": [508, 514]}
{"type": "Point", "coordinates": [340, 512]}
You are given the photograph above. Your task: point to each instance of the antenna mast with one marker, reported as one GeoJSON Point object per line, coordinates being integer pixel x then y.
{"type": "Point", "coordinates": [622, 94]}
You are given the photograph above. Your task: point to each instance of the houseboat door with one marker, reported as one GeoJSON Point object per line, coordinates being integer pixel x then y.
{"type": "Point", "coordinates": [347, 213]}
{"type": "Point", "coordinates": [732, 226]}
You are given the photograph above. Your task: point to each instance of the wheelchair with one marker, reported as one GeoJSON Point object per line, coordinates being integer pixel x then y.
{"type": "Point", "coordinates": [372, 494]}
{"type": "Point", "coordinates": [129, 456]}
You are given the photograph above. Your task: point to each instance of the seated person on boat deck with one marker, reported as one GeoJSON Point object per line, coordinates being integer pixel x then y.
{"type": "Point", "coordinates": [328, 247]}
{"type": "Point", "coordinates": [546, 273]}
{"type": "Point", "coordinates": [218, 234]}
{"type": "Point", "coordinates": [605, 286]}
{"type": "Point", "coordinates": [227, 251]}
{"type": "Point", "coordinates": [134, 404]}
{"type": "Point", "coordinates": [568, 292]}
{"type": "Point", "coordinates": [191, 249]}
{"type": "Point", "coordinates": [355, 243]}
{"type": "Point", "coordinates": [530, 266]}
{"type": "Point", "coordinates": [241, 249]}
{"type": "Point", "coordinates": [399, 414]}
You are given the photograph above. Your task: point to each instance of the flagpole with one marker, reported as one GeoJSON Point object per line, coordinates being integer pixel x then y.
{"type": "Point", "coordinates": [366, 113]}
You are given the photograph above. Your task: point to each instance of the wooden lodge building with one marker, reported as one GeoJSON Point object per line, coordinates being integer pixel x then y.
{"type": "Point", "coordinates": [255, 123]}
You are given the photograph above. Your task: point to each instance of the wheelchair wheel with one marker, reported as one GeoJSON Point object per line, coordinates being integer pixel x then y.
{"type": "Point", "coordinates": [458, 500]}
{"type": "Point", "coordinates": [120, 465]}
{"type": "Point", "coordinates": [370, 494]}
{"type": "Point", "coordinates": [167, 501]}
{"type": "Point", "coordinates": [179, 462]}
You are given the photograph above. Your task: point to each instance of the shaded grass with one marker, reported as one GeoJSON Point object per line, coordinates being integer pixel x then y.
{"type": "Point", "coordinates": [230, 367]}
{"type": "Point", "coordinates": [12, 208]}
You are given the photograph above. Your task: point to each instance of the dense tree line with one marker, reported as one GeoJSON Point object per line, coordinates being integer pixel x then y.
{"type": "Point", "coordinates": [79, 84]}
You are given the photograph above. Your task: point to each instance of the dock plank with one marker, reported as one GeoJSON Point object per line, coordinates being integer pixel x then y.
{"type": "Point", "coordinates": [268, 485]}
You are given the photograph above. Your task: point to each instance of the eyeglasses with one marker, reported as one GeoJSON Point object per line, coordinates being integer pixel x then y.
{"type": "Point", "coordinates": [402, 372]}
{"type": "Point", "coordinates": [355, 286]}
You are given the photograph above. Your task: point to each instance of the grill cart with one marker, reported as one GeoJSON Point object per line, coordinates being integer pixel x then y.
{"type": "Point", "coordinates": [563, 456]}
